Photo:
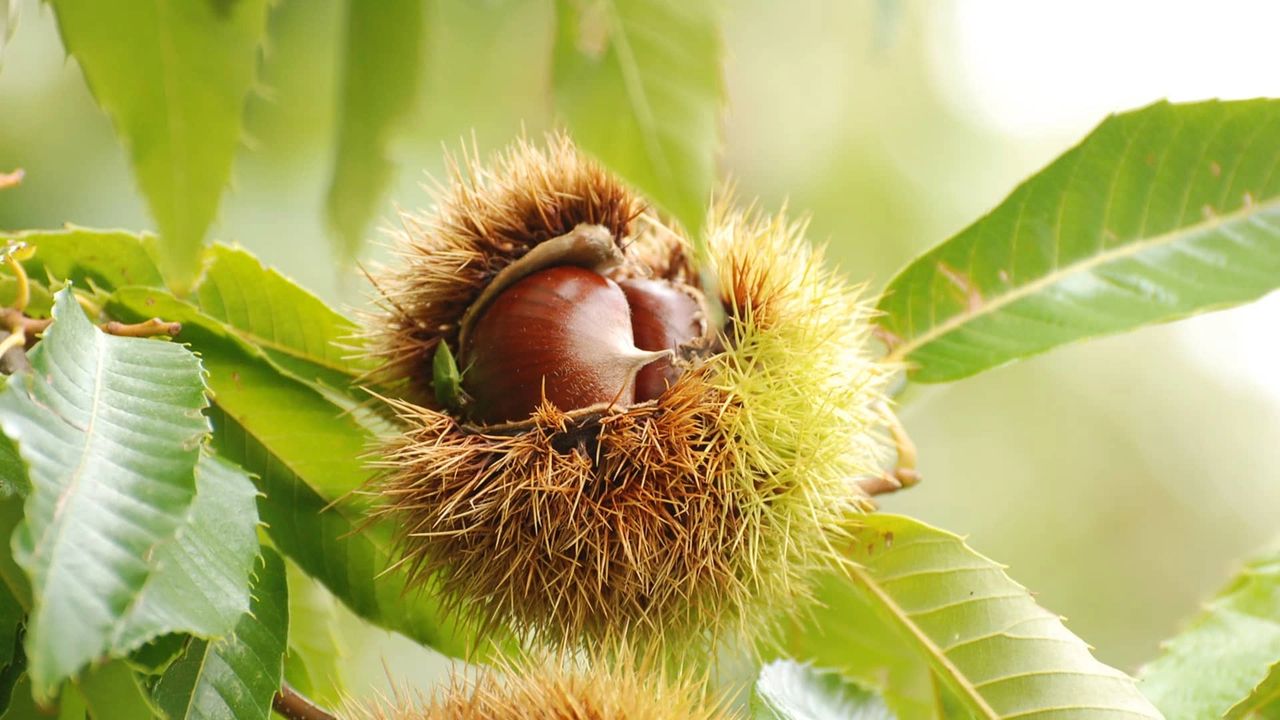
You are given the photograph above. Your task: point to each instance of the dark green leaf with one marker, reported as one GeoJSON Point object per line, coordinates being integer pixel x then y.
{"type": "Point", "coordinates": [328, 544]}
{"type": "Point", "coordinates": [200, 578]}
{"type": "Point", "coordinates": [292, 326]}
{"type": "Point", "coordinates": [110, 428]}
{"type": "Point", "coordinates": [639, 84]}
{"type": "Point", "coordinates": [14, 670]}
{"type": "Point", "coordinates": [1229, 650]}
{"type": "Point", "coordinates": [983, 634]}
{"type": "Point", "coordinates": [791, 691]}
{"type": "Point", "coordinates": [381, 75]}
{"type": "Point", "coordinates": [234, 678]}
{"type": "Point", "coordinates": [107, 259]}
{"type": "Point", "coordinates": [175, 90]}
{"type": "Point", "coordinates": [1158, 214]}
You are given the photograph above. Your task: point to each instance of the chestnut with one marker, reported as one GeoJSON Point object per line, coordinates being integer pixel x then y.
{"type": "Point", "coordinates": [563, 333]}
{"type": "Point", "coordinates": [664, 316]}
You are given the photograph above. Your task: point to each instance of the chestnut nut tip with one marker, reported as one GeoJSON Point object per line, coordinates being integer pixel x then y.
{"type": "Point", "coordinates": [563, 334]}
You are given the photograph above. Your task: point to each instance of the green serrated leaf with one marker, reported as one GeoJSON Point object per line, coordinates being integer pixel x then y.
{"type": "Point", "coordinates": [266, 309]}
{"type": "Point", "coordinates": [789, 690]}
{"type": "Point", "coordinates": [1261, 704]}
{"type": "Point", "coordinates": [234, 678]}
{"type": "Point", "coordinates": [1158, 214]}
{"type": "Point", "coordinates": [306, 452]}
{"type": "Point", "coordinates": [199, 583]}
{"type": "Point", "coordinates": [381, 75]}
{"type": "Point", "coordinates": [107, 259]}
{"type": "Point", "coordinates": [175, 91]}
{"type": "Point", "coordinates": [110, 428]}
{"type": "Point", "coordinates": [1227, 654]}
{"type": "Point", "coordinates": [639, 84]}
{"type": "Point", "coordinates": [1002, 655]}
{"type": "Point", "coordinates": [324, 444]}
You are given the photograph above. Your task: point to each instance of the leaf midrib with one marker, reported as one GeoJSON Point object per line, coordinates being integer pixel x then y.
{"type": "Point", "coordinates": [978, 703]}
{"type": "Point", "coordinates": [1120, 252]}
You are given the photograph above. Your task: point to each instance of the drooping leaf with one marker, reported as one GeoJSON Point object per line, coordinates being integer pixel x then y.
{"type": "Point", "coordinates": [292, 326]}
{"type": "Point", "coordinates": [381, 75]}
{"type": "Point", "coordinates": [789, 690]}
{"type": "Point", "coordinates": [199, 584]}
{"type": "Point", "coordinates": [1002, 655]}
{"type": "Point", "coordinates": [1158, 214]}
{"type": "Point", "coordinates": [107, 259]}
{"type": "Point", "coordinates": [1229, 649]}
{"type": "Point", "coordinates": [639, 84]}
{"type": "Point", "coordinates": [234, 678]}
{"type": "Point", "coordinates": [110, 428]}
{"type": "Point", "coordinates": [175, 90]}
{"type": "Point", "coordinates": [305, 452]}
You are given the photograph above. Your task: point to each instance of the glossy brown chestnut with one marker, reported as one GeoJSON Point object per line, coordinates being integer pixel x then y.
{"type": "Point", "coordinates": [564, 331]}
{"type": "Point", "coordinates": [663, 317]}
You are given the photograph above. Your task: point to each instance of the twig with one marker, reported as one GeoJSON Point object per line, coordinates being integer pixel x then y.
{"type": "Point", "coordinates": [290, 704]}
{"type": "Point", "coordinates": [149, 328]}
{"type": "Point", "coordinates": [13, 353]}
{"type": "Point", "coordinates": [904, 473]}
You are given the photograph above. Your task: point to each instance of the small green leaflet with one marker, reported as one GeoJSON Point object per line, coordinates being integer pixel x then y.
{"type": "Point", "coordinates": [175, 90]}
{"type": "Point", "coordinates": [446, 381]}
{"type": "Point", "coordinates": [110, 428]}
{"type": "Point", "coordinates": [639, 84]}
{"type": "Point", "coordinates": [1228, 655]}
{"type": "Point", "coordinates": [1158, 214]}
{"type": "Point", "coordinates": [789, 690]}
{"type": "Point", "coordinates": [234, 678]}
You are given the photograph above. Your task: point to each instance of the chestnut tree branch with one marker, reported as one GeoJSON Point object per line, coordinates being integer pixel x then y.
{"type": "Point", "coordinates": [290, 704]}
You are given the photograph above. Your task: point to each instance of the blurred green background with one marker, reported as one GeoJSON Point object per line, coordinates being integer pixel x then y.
{"type": "Point", "coordinates": [1121, 480]}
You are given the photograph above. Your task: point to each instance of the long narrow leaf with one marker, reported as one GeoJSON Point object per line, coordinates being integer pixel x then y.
{"type": "Point", "coordinates": [174, 77]}
{"type": "Point", "coordinates": [639, 83]}
{"type": "Point", "coordinates": [1158, 214]}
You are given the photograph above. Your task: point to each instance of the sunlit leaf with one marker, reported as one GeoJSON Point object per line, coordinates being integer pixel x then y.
{"type": "Point", "coordinates": [1158, 214]}
{"type": "Point", "coordinates": [1002, 655]}
{"type": "Point", "coordinates": [234, 678]}
{"type": "Point", "coordinates": [1263, 703]}
{"type": "Point", "coordinates": [381, 75]}
{"type": "Point", "coordinates": [110, 428]}
{"type": "Point", "coordinates": [174, 77]}
{"type": "Point", "coordinates": [292, 326]}
{"type": "Point", "coordinates": [638, 83]}
{"type": "Point", "coordinates": [305, 452]}
{"type": "Point", "coordinates": [107, 259]}
{"type": "Point", "coordinates": [793, 691]}
{"type": "Point", "coordinates": [1229, 650]}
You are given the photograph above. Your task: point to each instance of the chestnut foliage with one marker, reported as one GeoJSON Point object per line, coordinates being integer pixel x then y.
{"type": "Point", "coordinates": [191, 443]}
